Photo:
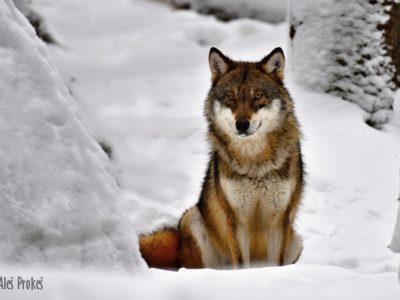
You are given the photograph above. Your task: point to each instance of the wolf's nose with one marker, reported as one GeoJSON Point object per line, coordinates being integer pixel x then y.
{"type": "Point", "coordinates": [242, 125]}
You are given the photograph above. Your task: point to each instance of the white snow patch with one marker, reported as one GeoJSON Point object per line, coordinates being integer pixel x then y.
{"type": "Point", "coordinates": [311, 282]}
{"type": "Point", "coordinates": [59, 204]}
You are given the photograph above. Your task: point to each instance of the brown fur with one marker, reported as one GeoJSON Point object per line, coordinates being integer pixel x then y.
{"type": "Point", "coordinates": [250, 196]}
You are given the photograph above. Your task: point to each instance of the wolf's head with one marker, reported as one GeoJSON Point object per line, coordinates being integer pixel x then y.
{"type": "Point", "coordinates": [247, 98]}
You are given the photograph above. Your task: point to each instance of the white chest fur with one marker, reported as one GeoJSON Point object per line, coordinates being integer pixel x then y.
{"type": "Point", "coordinates": [245, 195]}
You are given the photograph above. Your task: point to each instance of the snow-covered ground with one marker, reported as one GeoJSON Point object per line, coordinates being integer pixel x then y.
{"type": "Point", "coordinates": [313, 282]}
{"type": "Point", "coordinates": [138, 71]}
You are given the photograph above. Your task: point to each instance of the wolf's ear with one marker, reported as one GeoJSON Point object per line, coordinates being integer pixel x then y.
{"type": "Point", "coordinates": [219, 63]}
{"type": "Point", "coordinates": [274, 63]}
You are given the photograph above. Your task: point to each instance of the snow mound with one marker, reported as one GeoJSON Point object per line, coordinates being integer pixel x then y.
{"type": "Point", "coordinates": [395, 244]}
{"type": "Point", "coordinates": [59, 204]}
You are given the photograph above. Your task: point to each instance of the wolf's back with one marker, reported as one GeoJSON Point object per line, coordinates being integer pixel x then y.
{"type": "Point", "coordinates": [160, 249]}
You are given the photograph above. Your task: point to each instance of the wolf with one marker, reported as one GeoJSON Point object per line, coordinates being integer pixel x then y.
{"type": "Point", "coordinates": [254, 181]}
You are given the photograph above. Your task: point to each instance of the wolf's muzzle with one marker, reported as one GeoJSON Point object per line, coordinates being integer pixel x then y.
{"type": "Point", "coordinates": [242, 125]}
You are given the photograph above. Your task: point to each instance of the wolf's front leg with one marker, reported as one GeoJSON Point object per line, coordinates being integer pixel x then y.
{"type": "Point", "coordinates": [292, 246]}
{"type": "Point", "coordinates": [233, 238]}
{"type": "Point", "coordinates": [244, 244]}
{"type": "Point", "coordinates": [294, 249]}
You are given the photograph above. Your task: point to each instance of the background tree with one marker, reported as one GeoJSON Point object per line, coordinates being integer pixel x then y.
{"type": "Point", "coordinates": [273, 11]}
{"type": "Point", "coordinates": [348, 49]}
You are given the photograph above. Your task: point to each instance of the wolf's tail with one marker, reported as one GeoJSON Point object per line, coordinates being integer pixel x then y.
{"type": "Point", "coordinates": [160, 249]}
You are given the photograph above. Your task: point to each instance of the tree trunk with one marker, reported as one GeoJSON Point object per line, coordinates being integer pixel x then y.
{"type": "Point", "coordinates": [391, 31]}
{"type": "Point", "coordinates": [349, 49]}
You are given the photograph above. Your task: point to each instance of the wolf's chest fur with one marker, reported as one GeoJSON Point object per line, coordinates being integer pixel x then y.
{"type": "Point", "coordinates": [255, 198]}
{"type": "Point", "coordinates": [259, 206]}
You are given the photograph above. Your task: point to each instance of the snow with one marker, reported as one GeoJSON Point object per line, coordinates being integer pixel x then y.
{"type": "Point", "coordinates": [291, 282]}
{"type": "Point", "coordinates": [59, 202]}
{"type": "Point", "coordinates": [23, 6]}
{"type": "Point", "coordinates": [140, 79]}
{"type": "Point", "coordinates": [395, 244]}
{"type": "Point", "coordinates": [273, 11]}
{"type": "Point", "coordinates": [334, 51]}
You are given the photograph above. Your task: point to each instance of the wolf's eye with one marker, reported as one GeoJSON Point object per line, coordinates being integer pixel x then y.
{"type": "Point", "coordinates": [258, 96]}
{"type": "Point", "coordinates": [230, 97]}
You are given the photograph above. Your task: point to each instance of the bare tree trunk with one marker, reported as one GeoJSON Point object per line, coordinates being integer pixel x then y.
{"type": "Point", "coordinates": [349, 49]}
{"type": "Point", "coordinates": [391, 31]}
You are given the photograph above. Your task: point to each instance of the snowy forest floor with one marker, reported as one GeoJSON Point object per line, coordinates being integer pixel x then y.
{"type": "Point", "coordinates": [139, 72]}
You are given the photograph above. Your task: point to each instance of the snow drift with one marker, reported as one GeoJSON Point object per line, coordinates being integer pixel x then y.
{"type": "Point", "coordinates": [59, 205]}
{"type": "Point", "coordinates": [273, 11]}
{"type": "Point", "coordinates": [395, 244]}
